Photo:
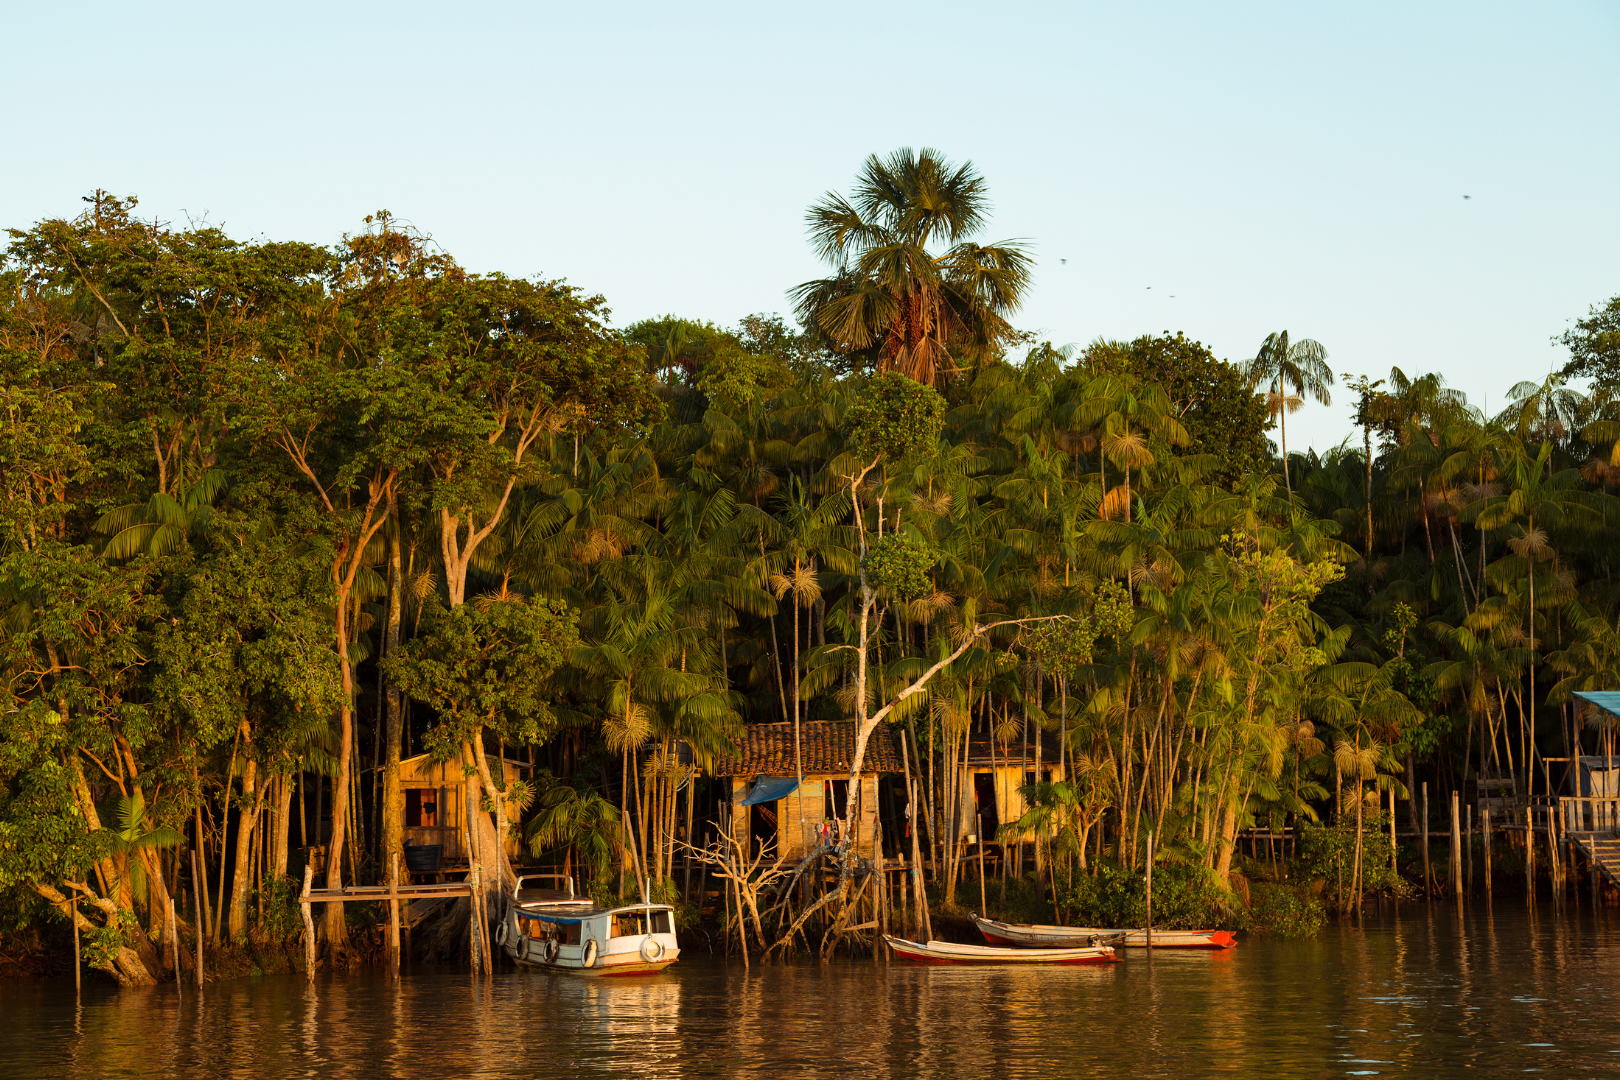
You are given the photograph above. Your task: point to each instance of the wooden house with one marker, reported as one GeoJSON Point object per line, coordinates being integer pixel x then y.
{"type": "Point", "coordinates": [990, 779]}
{"type": "Point", "coordinates": [435, 803]}
{"type": "Point", "coordinates": [767, 800]}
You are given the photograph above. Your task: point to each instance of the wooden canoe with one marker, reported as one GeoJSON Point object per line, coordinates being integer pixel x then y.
{"type": "Point", "coordinates": [1027, 936]}
{"type": "Point", "coordinates": [947, 952]}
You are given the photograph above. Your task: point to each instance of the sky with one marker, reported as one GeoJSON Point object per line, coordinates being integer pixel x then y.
{"type": "Point", "coordinates": [1424, 186]}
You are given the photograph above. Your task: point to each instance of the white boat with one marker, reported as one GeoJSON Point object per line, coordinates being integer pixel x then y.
{"type": "Point", "coordinates": [1034, 936]}
{"type": "Point", "coordinates": [948, 952]}
{"type": "Point", "coordinates": [555, 929]}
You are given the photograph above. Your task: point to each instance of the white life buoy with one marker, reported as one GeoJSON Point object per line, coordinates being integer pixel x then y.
{"type": "Point", "coordinates": [590, 953]}
{"type": "Point", "coordinates": [652, 949]}
{"type": "Point", "coordinates": [551, 950]}
{"type": "Point", "coordinates": [503, 933]}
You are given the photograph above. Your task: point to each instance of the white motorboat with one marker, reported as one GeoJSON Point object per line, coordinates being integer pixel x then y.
{"type": "Point", "coordinates": [553, 928]}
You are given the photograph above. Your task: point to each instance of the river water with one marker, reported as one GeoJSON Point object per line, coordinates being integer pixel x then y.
{"type": "Point", "coordinates": [1419, 992]}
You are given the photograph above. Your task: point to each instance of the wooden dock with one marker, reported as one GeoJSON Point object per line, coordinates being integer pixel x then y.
{"type": "Point", "coordinates": [393, 892]}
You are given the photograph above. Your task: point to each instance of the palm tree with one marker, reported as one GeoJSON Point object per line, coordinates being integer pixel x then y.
{"type": "Point", "coordinates": [578, 820]}
{"type": "Point", "coordinates": [894, 300]}
{"type": "Point", "coordinates": [1290, 373]}
{"type": "Point", "coordinates": [163, 522]}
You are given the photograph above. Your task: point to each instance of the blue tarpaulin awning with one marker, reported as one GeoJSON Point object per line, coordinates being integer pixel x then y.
{"type": "Point", "coordinates": [1607, 700]}
{"type": "Point", "coordinates": [769, 789]}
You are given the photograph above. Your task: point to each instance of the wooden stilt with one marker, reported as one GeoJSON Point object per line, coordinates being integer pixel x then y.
{"type": "Point", "coordinates": [73, 917]}
{"type": "Point", "coordinates": [393, 914]}
{"type": "Point", "coordinates": [1485, 825]}
{"type": "Point", "coordinates": [198, 887]}
{"type": "Point", "coordinates": [1428, 878]}
{"type": "Point", "coordinates": [1529, 855]}
{"type": "Point", "coordinates": [1455, 868]}
{"type": "Point", "coordinates": [309, 924]}
{"type": "Point", "coordinates": [1468, 848]}
{"type": "Point", "coordinates": [1150, 892]}
{"type": "Point", "coordinates": [174, 943]}
{"type": "Point", "coordinates": [1394, 865]}
{"type": "Point", "coordinates": [982, 905]}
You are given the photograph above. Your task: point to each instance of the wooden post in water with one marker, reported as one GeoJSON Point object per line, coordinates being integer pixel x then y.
{"type": "Point", "coordinates": [1530, 855]}
{"type": "Point", "coordinates": [880, 898]}
{"type": "Point", "coordinates": [1428, 879]}
{"type": "Point", "coordinates": [174, 943]}
{"type": "Point", "coordinates": [1485, 826]}
{"type": "Point", "coordinates": [1455, 870]}
{"type": "Point", "coordinates": [1394, 866]}
{"type": "Point", "coordinates": [393, 914]}
{"type": "Point", "coordinates": [918, 895]}
{"type": "Point", "coordinates": [982, 906]}
{"type": "Point", "coordinates": [1468, 848]}
{"type": "Point", "coordinates": [73, 917]}
{"type": "Point", "coordinates": [309, 923]}
{"type": "Point", "coordinates": [1150, 892]}
{"type": "Point", "coordinates": [197, 887]}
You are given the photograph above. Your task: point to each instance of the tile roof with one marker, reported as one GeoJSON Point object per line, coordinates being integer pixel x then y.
{"type": "Point", "coordinates": [826, 746]}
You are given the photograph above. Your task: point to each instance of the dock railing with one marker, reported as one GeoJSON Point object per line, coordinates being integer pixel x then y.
{"type": "Point", "coordinates": [1590, 813]}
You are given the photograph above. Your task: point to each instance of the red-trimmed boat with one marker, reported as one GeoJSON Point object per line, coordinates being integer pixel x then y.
{"type": "Point", "coordinates": [1031, 936]}
{"type": "Point", "coordinates": [948, 952]}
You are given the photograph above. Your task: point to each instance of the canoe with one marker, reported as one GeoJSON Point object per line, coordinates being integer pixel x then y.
{"type": "Point", "coordinates": [1026, 936]}
{"type": "Point", "coordinates": [948, 952]}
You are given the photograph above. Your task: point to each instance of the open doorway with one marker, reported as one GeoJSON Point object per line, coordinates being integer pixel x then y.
{"type": "Point", "coordinates": [984, 796]}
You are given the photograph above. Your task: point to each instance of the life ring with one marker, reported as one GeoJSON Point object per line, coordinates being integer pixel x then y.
{"type": "Point", "coordinates": [652, 950]}
{"type": "Point", "coordinates": [590, 953]}
{"type": "Point", "coordinates": [503, 933]}
{"type": "Point", "coordinates": [551, 950]}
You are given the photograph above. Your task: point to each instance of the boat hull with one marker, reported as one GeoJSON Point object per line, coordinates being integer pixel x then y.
{"type": "Point", "coordinates": [944, 952]}
{"type": "Point", "coordinates": [1056, 937]}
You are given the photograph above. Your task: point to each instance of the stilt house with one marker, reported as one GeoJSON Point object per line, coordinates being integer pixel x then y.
{"type": "Point", "coordinates": [435, 803]}
{"type": "Point", "coordinates": [767, 801]}
{"type": "Point", "coordinates": [991, 776]}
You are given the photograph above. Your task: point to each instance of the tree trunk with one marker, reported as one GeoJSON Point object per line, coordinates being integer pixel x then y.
{"type": "Point", "coordinates": [393, 808]}
{"type": "Point", "coordinates": [247, 823]}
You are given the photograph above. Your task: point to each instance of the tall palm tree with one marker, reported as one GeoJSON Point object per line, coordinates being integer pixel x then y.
{"type": "Point", "coordinates": [1291, 372]}
{"type": "Point", "coordinates": [895, 299]}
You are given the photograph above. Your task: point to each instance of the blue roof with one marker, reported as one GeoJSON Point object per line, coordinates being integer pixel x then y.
{"type": "Point", "coordinates": [1607, 700]}
{"type": "Point", "coordinates": [770, 788]}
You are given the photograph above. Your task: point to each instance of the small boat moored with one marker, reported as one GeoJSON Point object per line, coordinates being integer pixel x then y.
{"type": "Point", "coordinates": [1034, 936]}
{"type": "Point", "coordinates": [555, 929]}
{"type": "Point", "coordinates": [948, 952]}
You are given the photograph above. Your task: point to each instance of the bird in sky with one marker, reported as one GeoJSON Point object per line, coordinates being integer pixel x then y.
{"type": "Point", "coordinates": [1468, 196]}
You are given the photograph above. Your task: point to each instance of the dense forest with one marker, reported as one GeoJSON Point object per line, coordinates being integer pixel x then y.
{"type": "Point", "coordinates": [278, 515]}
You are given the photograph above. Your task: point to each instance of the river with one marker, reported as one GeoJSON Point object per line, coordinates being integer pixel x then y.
{"type": "Point", "coordinates": [1422, 991]}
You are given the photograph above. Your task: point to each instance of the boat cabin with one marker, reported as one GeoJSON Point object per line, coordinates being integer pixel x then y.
{"type": "Point", "coordinates": [768, 802]}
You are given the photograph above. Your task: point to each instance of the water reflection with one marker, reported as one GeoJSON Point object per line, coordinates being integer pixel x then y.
{"type": "Point", "coordinates": [1419, 992]}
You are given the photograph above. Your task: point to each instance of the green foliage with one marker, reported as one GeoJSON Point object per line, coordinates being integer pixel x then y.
{"type": "Point", "coordinates": [1594, 346]}
{"type": "Point", "coordinates": [1213, 400]}
{"type": "Point", "coordinates": [893, 418]}
{"type": "Point", "coordinates": [487, 665]}
{"type": "Point", "coordinates": [1327, 853]}
{"type": "Point", "coordinates": [898, 566]}
{"type": "Point", "coordinates": [1285, 910]}
{"type": "Point", "coordinates": [1186, 896]}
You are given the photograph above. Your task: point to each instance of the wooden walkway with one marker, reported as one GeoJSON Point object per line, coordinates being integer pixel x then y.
{"type": "Point", "coordinates": [1602, 852]}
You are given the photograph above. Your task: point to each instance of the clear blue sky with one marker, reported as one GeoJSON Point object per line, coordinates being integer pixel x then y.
{"type": "Point", "coordinates": [1260, 167]}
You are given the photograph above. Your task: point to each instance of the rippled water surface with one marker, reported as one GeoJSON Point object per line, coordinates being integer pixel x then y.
{"type": "Point", "coordinates": [1423, 993]}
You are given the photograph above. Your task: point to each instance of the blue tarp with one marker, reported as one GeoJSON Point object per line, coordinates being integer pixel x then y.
{"type": "Point", "coordinates": [769, 789]}
{"type": "Point", "coordinates": [1607, 700]}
